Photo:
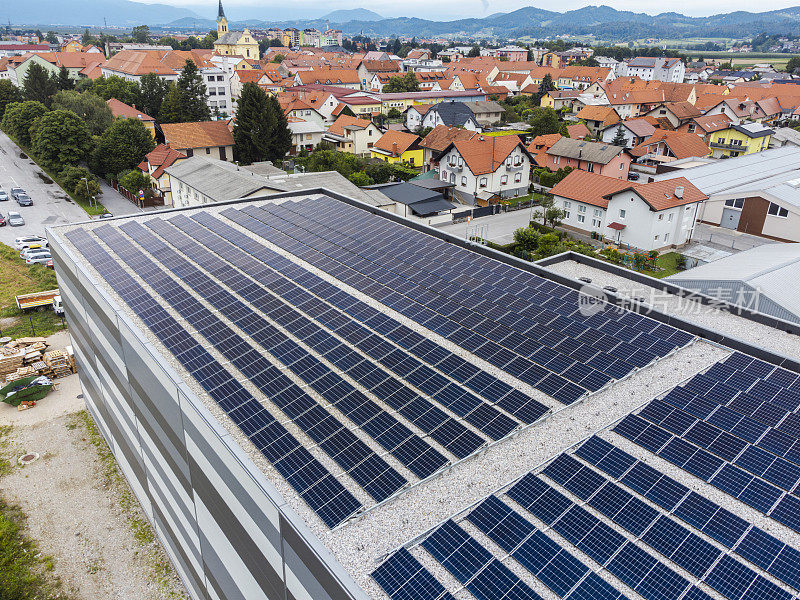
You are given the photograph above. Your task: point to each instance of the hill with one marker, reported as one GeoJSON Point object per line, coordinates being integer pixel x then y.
{"type": "Point", "coordinates": [354, 14]}
{"type": "Point", "coordinates": [92, 12]}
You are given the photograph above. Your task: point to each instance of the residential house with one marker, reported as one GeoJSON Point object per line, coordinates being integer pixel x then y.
{"type": "Point", "coordinates": [398, 147]}
{"type": "Point", "coordinates": [594, 157]}
{"type": "Point", "coordinates": [155, 164]}
{"type": "Point", "coordinates": [483, 168]}
{"type": "Point", "coordinates": [299, 110]}
{"type": "Point", "coordinates": [346, 78]}
{"type": "Point", "coordinates": [578, 131]}
{"type": "Point", "coordinates": [705, 125]}
{"type": "Point", "coordinates": [672, 115]}
{"type": "Point", "coordinates": [452, 114]}
{"type": "Point", "coordinates": [598, 118]}
{"type": "Point", "coordinates": [558, 99]}
{"type": "Point", "coordinates": [439, 138]}
{"type": "Point", "coordinates": [120, 110]}
{"type": "Point", "coordinates": [512, 53]}
{"type": "Point", "coordinates": [651, 216]}
{"type": "Point", "coordinates": [306, 135]}
{"type": "Point", "coordinates": [486, 112]}
{"type": "Point", "coordinates": [241, 76]}
{"type": "Point", "coordinates": [635, 131]}
{"type": "Point", "coordinates": [656, 69]}
{"type": "Point", "coordinates": [737, 140]}
{"type": "Point", "coordinates": [367, 69]}
{"type": "Point", "coordinates": [212, 139]}
{"type": "Point", "coordinates": [415, 114]}
{"type": "Point", "coordinates": [737, 110]}
{"type": "Point", "coordinates": [353, 135]}
{"type": "Point", "coordinates": [666, 146]}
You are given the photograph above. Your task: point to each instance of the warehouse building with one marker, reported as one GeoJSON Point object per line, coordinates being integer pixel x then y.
{"type": "Point", "coordinates": [311, 398]}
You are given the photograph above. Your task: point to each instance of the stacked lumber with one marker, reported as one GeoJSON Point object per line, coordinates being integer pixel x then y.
{"type": "Point", "coordinates": [59, 362]}
{"type": "Point", "coordinates": [20, 373]}
{"type": "Point", "coordinates": [9, 363]}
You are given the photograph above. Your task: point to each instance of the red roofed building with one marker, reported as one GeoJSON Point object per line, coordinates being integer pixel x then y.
{"type": "Point", "coordinates": [650, 216]}
{"type": "Point", "coordinates": [486, 167]}
{"type": "Point", "coordinates": [663, 146]}
{"type": "Point", "coordinates": [206, 138]}
{"type": "Point", "coordinates": [120, 110]}
{"type": "Point", "coordinates": [154, 164]}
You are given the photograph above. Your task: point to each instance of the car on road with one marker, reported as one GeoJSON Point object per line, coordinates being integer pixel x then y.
{"type": "Point", "coordinates": [30, 241]}
{"type": "Point", "coordinates": [16, 190]}
{"type": "Point", "coordinates": [39, 259]}
{"type": "Point", "coordinates": [15, 219]}
{"type": "Point", "coordinates": [2, 221]}
{"type": "Point", "coordinates": [24, 200]}
{"type": "Point", "coordinates": [106, 216]}
{"type": "Point", "coordinates": [3, 196]}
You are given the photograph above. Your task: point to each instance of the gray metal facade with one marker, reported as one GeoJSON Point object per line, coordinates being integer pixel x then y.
{"type": "Point", "coordinates": [228, 532]}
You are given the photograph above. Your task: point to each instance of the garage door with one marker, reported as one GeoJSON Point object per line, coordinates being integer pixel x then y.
{"type": "Point", "coordinates": [730, 218]}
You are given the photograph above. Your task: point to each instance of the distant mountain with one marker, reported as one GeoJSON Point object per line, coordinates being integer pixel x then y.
{"type": "Point", "coordinates": [92, 12]}
{"type": "Point", "coordinates": [354, 14]}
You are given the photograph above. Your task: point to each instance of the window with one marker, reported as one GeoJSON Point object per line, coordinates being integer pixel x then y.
{"type": "Point", "coordinates": [211, 78]}
{"type": "Point", "coordinates": [735, 203]}
{"type": "Point", "coordinates": [582, 208]}
{"type": "Point", "coordinates": [557, 160]}
{"type": "Point", "coordinates": [504, 180]}
{"type": "Point", "coordinates": [655, 238]}
{"type": "Point", "coordinates": [482, 182]}
{"type": "Point", "coordinates": [595, 222]}
{"type": "Point", "coordinates": [661, 217]}
{"type": "Point", "coordinates": [212, 91]}
{"type": "Point", "coordinates": [444, 175]}
{"type": "Point", "coordinates": [581, 218]}
{"type": "Point", "coordinates": [208, 150]}
{"type": "Point", "coordinates": [666, 237]}
{"type": "Point", "coordinates": [452, 177]}
{"type": "Point", "coordinates": [598, 212]}
{"type": "Point", "coordinates": [220, 78]}
{"type": "Point", "coordinates": [189, 152]}
{"type": "Point", "coordinates": [621, 213]}
{"type": "Point", "coordinates": [669, 217]}
{"type": "Point", "coordinates": [222, 104]}
{"type": "Point", "coordinates": [566, 214]}
{"type": "Point", "coordinates": [518, 178]}
{"type": "Point", "coordinates": [688, 208]}
{"type": "Point", "coordinates": [621, 166]}
{"type": "Point", "coordinates": [567, 204]}
{"type": "Point", "coordinates": [777, 211]}
{"type": "Point", "coordinates": [369, 132]}
{"type": "Point", "coordinates": [463, 180]}
{"type": "Point", "coordinates": [590, 167]}
{"type": "Point", "coordinates": [221, 91]}
{"type": "Point", "coordinates": [222, 155]}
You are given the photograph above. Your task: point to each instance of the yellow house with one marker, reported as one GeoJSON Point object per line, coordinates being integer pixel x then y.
{"type": "Point", "coordinates": [738, 140]}
{"type": "Point", "coordinates": [120, 110]}
{"type": "Point", "coordinates": [72, 46]}
{"type": "Point", "coordinates": [398, 147]}
{"type": "Point", "coordinates": [234, 43]}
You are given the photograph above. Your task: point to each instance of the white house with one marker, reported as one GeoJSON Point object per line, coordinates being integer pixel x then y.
{"type": "Point", "coordinates": [655, 69]}
{"type": "Point", "coordinates": [650, 216]}
{"type": "Point", "coordinates": [452, 114]}
{"type": "Point", "coordinates": [484, 167]}
{"type": "Point", "coordinates": [305, 134]}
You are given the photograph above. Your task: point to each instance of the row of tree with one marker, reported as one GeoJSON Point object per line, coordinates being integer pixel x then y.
{"type": "Point", "coordinates": [358, 170]}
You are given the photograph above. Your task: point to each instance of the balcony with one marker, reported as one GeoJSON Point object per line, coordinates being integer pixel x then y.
{"type": "Point", "coordinates": [518, 167]}
{"type": "Point", "coordinates": [724, 146]}
{"type": "Point", "coordinates": [457, 168]}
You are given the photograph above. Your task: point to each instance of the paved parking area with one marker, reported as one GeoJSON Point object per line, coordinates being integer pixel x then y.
{"type": "Point", "coordinates": [51, 205]}
{"type": "Point", "coordinates": [498, 228]}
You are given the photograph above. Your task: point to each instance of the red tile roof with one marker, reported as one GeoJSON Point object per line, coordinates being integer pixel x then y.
{"type": "Point", "coordinates": [161, 157]}
{"type": "Point", "coordinates": [441, 136]}
{"type": "Point", "coordinates": [122, 110]}
{"type": "Point", "coordinates": [662, 195]}
{"type": "Point", "coordinates": [589, 188]}
{"type": "Point", "coordinates": [486, 154]}
{"type": "Point", "coordinates": [682, 145]}
{"type": "Point", "coordinates": [204, 134]}
{"type": "Point", "coordinates": [343, 121]}
{"type": "Point", "coordinates": [396, 142]}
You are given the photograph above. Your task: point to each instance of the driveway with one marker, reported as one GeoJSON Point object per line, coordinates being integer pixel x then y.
{"type": "Point", "coordinates": [498, 228]}
{"type": "Point", "coordinates": [51, 205]}
{"type": "Point", "coordinates": [726, 239]}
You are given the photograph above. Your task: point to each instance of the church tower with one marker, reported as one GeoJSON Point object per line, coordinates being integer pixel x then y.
{"type": "Point", "coordinates": [222, 22]}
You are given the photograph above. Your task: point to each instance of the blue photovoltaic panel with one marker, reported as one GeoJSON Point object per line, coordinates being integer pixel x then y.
{"type": "Point", "coordinates": [402, 577]}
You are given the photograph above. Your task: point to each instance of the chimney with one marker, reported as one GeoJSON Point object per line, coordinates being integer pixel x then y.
{"type": "Point", "coordinates": [679, 191]}
{"type": "Point", "coordinates": [394, 148]}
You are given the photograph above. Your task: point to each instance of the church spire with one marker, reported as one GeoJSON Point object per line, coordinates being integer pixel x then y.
{"type": "Point", "coordinates": [221, 12]}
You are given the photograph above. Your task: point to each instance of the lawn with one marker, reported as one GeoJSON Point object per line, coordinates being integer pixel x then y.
{"type": "Point", "coordinates": [18, 278]}
{"type": "Point", "coordinates": [668, 263]}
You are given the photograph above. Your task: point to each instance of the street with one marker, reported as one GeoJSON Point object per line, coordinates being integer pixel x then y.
{"type": "Point", "coordinates": [51, 205]}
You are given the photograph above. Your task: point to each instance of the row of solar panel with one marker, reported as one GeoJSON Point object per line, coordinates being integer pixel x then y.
{"type": "Point", "coordinates": [441, 275]}
{"type": "Point", "coordinates": [549, 382]}
{"type": "Point", "coordinates": [731, 479]}
{"type": "Point", "coordinates": [253, 257]}
{"type": "Point", "coordinates": [750, 542]}
{"type": "Point", "coordinates": [320, 490]}
{"type": "Point", "coordinates": [663, 534]}
{"type": "Point", "coordinates": [459, 311]}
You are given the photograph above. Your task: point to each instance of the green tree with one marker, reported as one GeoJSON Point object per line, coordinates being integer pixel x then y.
{"type": "Point", "coordinates": [116, 87]}
{"type": "Point", "coordinates": [527, 239]}
{"type": "Point", "coordinates": [19, 117]}
{"type": "Point", "coordinates": [543, 120]}
{"type": "Point", "coordinates": [252, 128]}
{"type": "Point", "coordinates": [60, 138]}
{"type": "Point", "coordinates": [394, 113]}
{"type": "Point", "coordinates": [186, 102]}
{"type": "Point", "coordinates": [135, 180]}
{"type": "Point", "coordinates": [121, 147]}
{"type": "Point", "coordinates": [51, 37]}
{"type": "Point", "coordinates": [38, 85]}
{"type": "Point", "coordinates": [619, 137]}
{"type": "Point", "coordinates": [554, 215]}
{"type": "Point", "coordinates": [70, 177]}
{"type": "Point", "coordinates": [208, 40]}
{"type": "Point", "coordinates": [65, 82]}
{"type": "Point", "coordinates": [548, 243]}
{"type": "Point", "coordinates": [280, 136]}
{"type": "Point", "coordinates": [793, 64]}
{"type": "Point", "coordinates": [474, 52]}
{"type": "Point", "coordinates": [153, 90]}
{"type": "Point", "coordinates": [545, 86]}
{"type": "Point", "coordinates": [88, 106]}
{"type": "Point", "coordinates": [87, 38]}
{"type": "Point", "coordinates": [278, 58]}
{"type": "Point", "coordinates": [84, 190]}
{"type": "Point", "coordinates": [404, 83]}
{"type": "Point", "coordinates": [141, 34]}
{"type": "Point", "coordinates": [9, 93]}
{"type": "Point", "coordinates": [360, 179]}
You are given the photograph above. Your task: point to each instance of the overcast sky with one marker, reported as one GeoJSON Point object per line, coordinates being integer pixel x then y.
{"type": "Point", "coordinates": [456, 9]}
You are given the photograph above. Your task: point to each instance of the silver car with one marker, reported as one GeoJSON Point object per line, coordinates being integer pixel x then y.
{"type": "Point", "coordinates": [41, 259]}
{"type": "Point", "coordinates": [3, 196]}
{"type": "Point", "coordinates": [15, 219]}
{"type": "Point", "coordinates": [32, 252]}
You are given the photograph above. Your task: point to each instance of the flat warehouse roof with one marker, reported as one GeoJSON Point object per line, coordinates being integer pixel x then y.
{"type": "Point", "coordinates": [382, 378]}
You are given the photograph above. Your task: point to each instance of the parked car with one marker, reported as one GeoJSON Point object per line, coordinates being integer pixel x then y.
{"type": "Point", "coordinates": [106, 216]}
{"type": "Point", "coordinates": [39, 259]}
{"type": "Point", "coordinates": [24, 200]}
{"type": "Point", "coordinates": [49, 265]}
{"type": "Point", "coordinates": [15, 191]}
{"type": "Point", "coordinates": [3, 196]}
{"type": "Point", "coordinates": [15, 219]}
{"type": "Point", "coordinates": [2, 220]}
{"type": "Point", "coordinates": [29, 241]}
{"type": "Point", "coordinates": [33, 252]}
{"type": "Point", "coordinates": [633, 176]}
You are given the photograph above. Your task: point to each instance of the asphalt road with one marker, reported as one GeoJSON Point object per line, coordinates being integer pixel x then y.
{"type": "Point", "coordinates": [51, 205]}
{"type": "Point", "coordinates": [495, 228]}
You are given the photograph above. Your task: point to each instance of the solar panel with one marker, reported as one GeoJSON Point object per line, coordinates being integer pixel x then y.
{"type": "Point", "coordinates": [402, 577]}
